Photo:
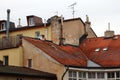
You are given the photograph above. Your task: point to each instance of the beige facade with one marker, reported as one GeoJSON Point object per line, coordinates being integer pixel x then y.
{"type": "Point", "coordinates": [72, 30]}
{"type": "Point", "coordinates": [41, 61]}
{"type": "Point", "coordinates": [15, 56]}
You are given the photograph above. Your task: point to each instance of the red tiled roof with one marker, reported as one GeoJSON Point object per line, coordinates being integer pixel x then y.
{"type": "Point", "coordinates": [76, 52]}
{"type": "Point", "coordinates": [109, 57]}
{"type": "Point", "coordinates": [58, 53]}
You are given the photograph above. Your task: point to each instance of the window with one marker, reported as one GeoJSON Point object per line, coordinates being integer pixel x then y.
{"type": "Point", "coordinates": [110, 75]}
{"type": "Point", "coordinates": [72, 75]}
{"type": "Point", "coordinates": [91, 75]}
{"type": "Point", "coordinates": [37, 35]}
{"type": "Point", "coordinates": [97, 49]}
{"type": "Point", "coordinates": [3, 25]}
{"type": "Point", "coordinates": [5, 60]}
{"type": "Point", "coordinates": [29, 63]}
{"type": "Point", "coordinates": [105, 49]}
{"type": "Point", "coordinates": [31, 22]}
{"type": "Point", "coordinates": [82, 75]}
{"type": "Point", "coordinates": [118, 74]}
{"type": "Point", "coordinates": [100, 75]}
{"type": "Point", "coordinates": [20, 36]}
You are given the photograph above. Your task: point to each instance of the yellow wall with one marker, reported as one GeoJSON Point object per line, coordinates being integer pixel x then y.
{"type": "Point", "coordinates": [41, 61]}
{"type": "Point", "coordinates": [15, 56]}
{"type": "Point", "coordinates": [31, 32]}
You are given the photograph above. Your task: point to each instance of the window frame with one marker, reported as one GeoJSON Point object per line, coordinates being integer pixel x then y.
{"type": "Point", "coordinates": [91, 75]}
{"type": "Point", "coordinates": [6, 60]}
{"type": "Point", "coordinates": [29, 63]}
{"type": "Point", "coordinates": [3, 25]}
{"type": "Point", "coordinates": [31, 21]}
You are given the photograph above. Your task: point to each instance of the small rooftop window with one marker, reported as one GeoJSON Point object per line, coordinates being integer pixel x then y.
{"type": "Point", "coordinates": [97, 49]}
{"type": "Point", "coordinates": [105, 49]}
{"type": "Point", "coordinates": [115, 38]}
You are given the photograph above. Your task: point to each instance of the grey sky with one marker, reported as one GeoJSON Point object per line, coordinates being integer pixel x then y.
{"type": "Point", "coordinates": [100, 12]}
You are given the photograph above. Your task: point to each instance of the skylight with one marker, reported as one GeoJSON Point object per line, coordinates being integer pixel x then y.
{"type": "Point", "coordinates": [105, 49]}
{"type": "Point", "coordinates": [97, 49]}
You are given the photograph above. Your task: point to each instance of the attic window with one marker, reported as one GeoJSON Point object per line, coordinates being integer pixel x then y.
{"type": "Point", "coordinates": [31, 22]}
{"type": "Point", "coordinates": [97, 49]}
{"type": "Point", "coordinates": [3, 25]}
{"type": "Point", "coordinates": [105, 49]}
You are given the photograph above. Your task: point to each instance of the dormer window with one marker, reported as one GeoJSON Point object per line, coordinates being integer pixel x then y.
{"type": "Point", "coordinates": [31, 22]}
{"type": "Point", "coordinates": [3, 26]}
{"type": "Point", "coordinates": [105, 49]}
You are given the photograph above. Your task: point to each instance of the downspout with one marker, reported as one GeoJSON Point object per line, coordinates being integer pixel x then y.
{"type": "Point", "coordinates": [65, 72]}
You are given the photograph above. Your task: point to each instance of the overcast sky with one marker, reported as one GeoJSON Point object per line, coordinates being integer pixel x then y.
{"type": "Point", "coordinates": [100, 12]}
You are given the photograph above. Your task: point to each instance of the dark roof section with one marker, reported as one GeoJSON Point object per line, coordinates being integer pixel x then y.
{"type": "Point", "coordinates": [23, 71]}
{"type": "Point", "coordinates": [59, 54]}
{"type": "Point", "coordinates": [105, 52]}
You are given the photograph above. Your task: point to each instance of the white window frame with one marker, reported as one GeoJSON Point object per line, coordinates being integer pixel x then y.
{"type": "Point", "coordinates": [31, 21]}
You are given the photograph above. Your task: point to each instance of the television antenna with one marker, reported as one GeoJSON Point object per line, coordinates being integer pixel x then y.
{"type": "Point", "coordinates": [73, 9]}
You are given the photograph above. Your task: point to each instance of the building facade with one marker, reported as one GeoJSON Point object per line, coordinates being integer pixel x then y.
{"type": "Point", "coordinates": [70, 62]}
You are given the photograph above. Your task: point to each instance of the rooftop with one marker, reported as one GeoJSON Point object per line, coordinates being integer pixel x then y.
{"type": "Point", "coordinates": [23, 71]}
{"type": "Point", "coordinates": [59, 54]}
{"type": "Point", "coordinates": [105, 52]}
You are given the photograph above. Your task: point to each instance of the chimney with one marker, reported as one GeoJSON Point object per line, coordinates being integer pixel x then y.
{"type": "Point", "coordinates": [8, 23]}
{"type": "Point", "coordinates": [19, 23]}
{"type": "Point", "coordinates": [61, 32]}
{"type": "Point", "coordinates": [87, 24]}
{"type": "Point", "coordinates": [108, 33]}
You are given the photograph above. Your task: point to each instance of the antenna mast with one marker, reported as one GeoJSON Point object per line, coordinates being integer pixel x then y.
{"type": "Point", "coordinates": [73, 9]}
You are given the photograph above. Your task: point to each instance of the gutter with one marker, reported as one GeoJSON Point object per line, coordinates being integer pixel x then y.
{"type": "Point", "coordinates": [65, 72]}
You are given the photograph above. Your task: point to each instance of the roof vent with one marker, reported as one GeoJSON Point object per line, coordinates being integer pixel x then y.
{"type": "Point", "coordinates": [97, 49]}
{"type": "Point", "coordinates": [105, 49]}
{"type": "Point", "coordinates": [115, 38]}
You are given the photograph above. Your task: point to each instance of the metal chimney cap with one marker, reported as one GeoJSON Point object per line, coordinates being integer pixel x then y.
{"type": "Point", "coordinates": [8, 10]}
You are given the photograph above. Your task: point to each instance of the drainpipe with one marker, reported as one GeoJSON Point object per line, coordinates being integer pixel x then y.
{"type": "Point", "coordinates": [8, 23]}
{"type": "Point", "coordinates": [65, 72]}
